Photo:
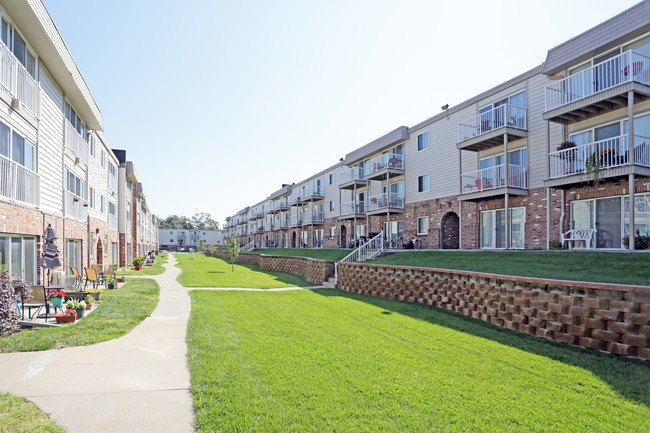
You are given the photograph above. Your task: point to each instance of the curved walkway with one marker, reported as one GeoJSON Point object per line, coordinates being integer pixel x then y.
{"type": "Point", "coordinates": [136, 383]}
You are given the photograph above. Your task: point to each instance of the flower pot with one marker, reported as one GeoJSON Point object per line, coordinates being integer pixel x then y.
{"type": "Point", "coordinates": [57, 302]}
{"type": "Point", "coordinates": [111, 286]}
{"type": "Point", "coordinates": [148, 265]}
{"type": "Point", "coordinates": [89, 306]}
{"type": "Point", "coordinates": [121, 280]}
{"type": "Point", "coordinates": [63, 318]}
{"type": "Point", "coordinates": [80, 313]}
{"type": "Point", "coordinates": [96, 296]}
{"type": "Point", "coordinates": [137, 268]}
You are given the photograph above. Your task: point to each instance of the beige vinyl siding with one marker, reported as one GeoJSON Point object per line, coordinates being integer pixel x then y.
{"type": "Point", "coordinates": [98, 180]}
{"type": "Point", "coordinates": [604, 119]}
{"type": "Point", "coordinates": [50, 145]}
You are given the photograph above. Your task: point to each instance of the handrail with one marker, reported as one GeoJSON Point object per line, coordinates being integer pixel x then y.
{"type": "Point", "coordinates": [248, 247]}
{"type": "Point", "coordinates": [498, 117]}
{"type": "Point", "coordinates": [367, 251]}
{"type": "Point", "coordinates": [18, 82]}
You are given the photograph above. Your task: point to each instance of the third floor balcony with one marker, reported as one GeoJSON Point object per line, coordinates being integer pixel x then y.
{"type": "Point", "coordinates": [354, 177]}
{"type": "Point", "coordinates": [15, 79]}
{"type": "Point", "coordinates": [598, 89]}
{"type": "Point", "coordinates": [384, 166]}
{"type": "Point", "coordinates": [75, 142]}
{"type": "Point", "coordinates": [487, 130]}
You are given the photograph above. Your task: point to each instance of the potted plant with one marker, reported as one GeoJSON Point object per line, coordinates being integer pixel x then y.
{"type": "Point", "coordinates": [96, 294]}
{"type": "Point", "coordinates": [89, 300]}
{"type": "Point", "coordinates": [56, 297]}
{"type": "Point", "coordinates": [110, 282]}
{"type": "Point", "coordinates": [137, 263]}
{"type": "Point", "coordinates": [68, 317]}
{"type": "Point", "coordinates": [78, 306]}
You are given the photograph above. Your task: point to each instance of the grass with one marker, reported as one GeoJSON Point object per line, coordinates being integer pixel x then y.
{"type": "Point", "coordinates": [119, 312]}
{"type": "Point", "coordinates": [156, 269]}
{"type": "Point", "coordinates": [328, 360]}
{"type": "Point", "coordinates": [603, 267]}
{"type": "Point", "coordinates": [18, 415]}
{"type": "Point", "coordinates": [323, 254]}
{"type": "Point", "coordinates": [199, 270]}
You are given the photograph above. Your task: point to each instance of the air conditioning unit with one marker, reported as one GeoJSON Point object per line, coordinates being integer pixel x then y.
{"type": "Point", "coordinates": [15, 103]}
{"type": "Point", "coordinates": [77, 160]}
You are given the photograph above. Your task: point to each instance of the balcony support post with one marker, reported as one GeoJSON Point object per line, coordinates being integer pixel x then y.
{"type": "Point", "coordinates": [460, 202]}
{"type": "Point", "coordinates": [630, 151]}
{"type": "Point", "coordinates": [387, 204]}
{"type": "Point", "coordinates": [507, 183]}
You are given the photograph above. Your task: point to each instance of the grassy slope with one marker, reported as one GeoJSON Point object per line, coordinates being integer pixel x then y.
{"type": "Point", "coordinates": [205, 271]}
{"type": "Point", "coordinates": [326, 360]}
{"type": "Point", "coordinates": [156, 269]}
{"type": "Point", "coordinates": [18, 415]}
{"type": "Point", "coordinates": [324, 254]}
{"type": "Point", "coordinates": [119, 312]}
{"type": "Point", "coordinates": [606, 267]}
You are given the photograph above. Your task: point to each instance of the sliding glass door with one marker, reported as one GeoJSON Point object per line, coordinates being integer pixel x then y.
{"type": "Point", "coordinates": [18, 256]}
{"type": "Point", "coordinates": [493, 228]}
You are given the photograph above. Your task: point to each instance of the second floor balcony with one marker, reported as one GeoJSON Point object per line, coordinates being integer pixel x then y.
{"type": "Point", "coordinates": [19, 183]}
{"type": "Point", "coordinates": [385, 166]}
{"type": "Point", "coordinates": [598, 89]}
{"type": "Point", "coordinates": [355, 177]}
{"type": "Point", "coordinates": [75, 142]}
{"type": "Point", "coordinates": [281, 225]}
{"type": "Point", "coordinates": [112, 222]}
{"type": "Point", "coordinates": [487, 130]}
{"type": "Point", "coordinates": [112, 183]}
{"type": "Point", "coordinates": [295, 221]}
{"type": "Point", "coordinates": [75, 207]}
{"type": "Point", "coordinates": [609, 158]}
{"type": "Point", "coordinates": [313, 218]}
{"type": "Point", "coordinates": [386, 202]}
{"type": "Point", "coordinates": [493, 181]}
{"type": "Point", "coordinates": [353, 209]}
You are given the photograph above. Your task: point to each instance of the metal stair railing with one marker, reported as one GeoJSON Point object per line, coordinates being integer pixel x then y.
{"type": "Point", "coordinates": [367, 251]}
{"type": "Point", "coordinates": [248, 247]}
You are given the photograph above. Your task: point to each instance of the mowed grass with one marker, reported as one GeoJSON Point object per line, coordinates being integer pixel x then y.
{"type": "Point", "coordinates": [199, 270]}
{"type": "Point", "coordinates": [18, 415]}
{"type": "Point", "coordinates": [155, 269]}
{"type": "Point", "coordinates": [119, 312]}
{"type": "Point", "coordinates": [323, 254]}
{"type": "Point", "coordinates": [330, 361]}
{"type": "Point", "coordinates": [603, 267]}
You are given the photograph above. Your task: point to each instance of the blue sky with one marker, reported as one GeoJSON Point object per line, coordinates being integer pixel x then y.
{"type": "Point", "coordinates": [220, 102]}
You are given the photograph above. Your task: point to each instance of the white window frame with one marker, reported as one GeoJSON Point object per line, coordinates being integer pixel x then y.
{"type": "Point", "coordinates": [425, 220]}
{"type": "Point", "coordinates": [332, 232]}
{"type": "Point", "coordinates": [426, 145]}
{"type": "Point", "coordinates": [425, 187]}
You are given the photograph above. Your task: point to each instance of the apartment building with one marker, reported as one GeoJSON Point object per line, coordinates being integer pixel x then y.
{"type": "Point", "coordinates": [55, 165]}
{"type": "Point", "coordinates": [563, 146]}
{"type": "Point", "coordinates": [184, 239]}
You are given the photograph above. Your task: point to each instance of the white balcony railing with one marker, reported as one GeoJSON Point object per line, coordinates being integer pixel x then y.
{"type": "Point", "coordinates": [296, 220]}
{"type": "Point", "coordinates": [112, 182]}
{"type": "Point", "coordinates": [501, 116]}
{"type": "Point", "coordinates": [351, 207]}
{"type": "Point", "coordinates": [598, 78]}
{"type": "Point", "coordinates": [75, 142]}
{"type": "Point", "coordinates": [602, 154]}
{"type": "Point", "coordinates": [313, 217]}
{"type": "Point", "coordinates": [313, 191]}
{"type": "Point", "coordinates": [387, 160]}
{"type": "Point", "coordinates": [295, 198]}
{"type": "Point", "coordinates": [355, 173]}
{"type": "Point", "coordinates": [75, 207]}
{"type": "Point", "coordinates": [386, 200]}
{"type": "Point", "coordinates": [494, 177]}
{"type": "Point", "coordinates": [18, 82]}
{"type": "Point", "coordinates": [112, 222]}
{"type": "Point", "coordinates": [19, 183]}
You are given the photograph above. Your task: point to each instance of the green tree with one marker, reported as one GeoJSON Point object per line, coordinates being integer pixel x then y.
{"type": "Point", "coordinates": [233, 250]}
{"type": "Point", "coordinates": [201, 246]}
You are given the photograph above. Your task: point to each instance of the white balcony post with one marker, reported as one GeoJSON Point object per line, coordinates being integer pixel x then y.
{"type": "Point", "coordinates": [630, 151]}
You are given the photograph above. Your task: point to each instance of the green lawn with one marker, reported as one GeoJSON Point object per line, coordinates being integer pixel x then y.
{"type": "Point", "coordinates": [18, 415]}
{"type": "Point", "coordinates": [330, 361]}
{"type": "Point", "coordinates": [156, 269]}
{"type": "Point", "coordinates": [119, 312]}
{"type": "Point", "coordinates": [604, 267]}
{"type": "Point", "coordinates": [323, 254]}
{"type": "Point", "coordinates": [200, 270]}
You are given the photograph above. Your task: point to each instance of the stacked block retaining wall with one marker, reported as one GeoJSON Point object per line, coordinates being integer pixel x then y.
{"type": "Point", "coordinates": [607, 317]}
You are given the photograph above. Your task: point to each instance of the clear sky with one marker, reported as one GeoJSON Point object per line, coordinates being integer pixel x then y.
{"type": "Point", "coordinates": [220, 102]}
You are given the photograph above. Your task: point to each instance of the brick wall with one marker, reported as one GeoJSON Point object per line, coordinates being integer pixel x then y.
{"type": "Point", "coordinates": [607, 317]}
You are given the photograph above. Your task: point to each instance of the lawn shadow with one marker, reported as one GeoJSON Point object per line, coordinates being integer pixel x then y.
{"type": "Point", "coordinates": [283, 277]}
{"type": "Point", "coordinates": [629, 377]}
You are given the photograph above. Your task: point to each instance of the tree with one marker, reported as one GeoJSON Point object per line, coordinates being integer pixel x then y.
{"type": "Point", "coordinates": [233, 250]}
{"type": "Point", "coordinates": [201, 246]}
{"type": "Point", "coordinates": [200, 221]}
{"type": "Point", "coordinates": [204, 221]}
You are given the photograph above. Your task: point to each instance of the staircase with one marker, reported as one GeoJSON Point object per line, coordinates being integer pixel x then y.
{"type": "Point", "coordinates": [368, 251]}
{"type": "Point", "coordinates": [247, 248]}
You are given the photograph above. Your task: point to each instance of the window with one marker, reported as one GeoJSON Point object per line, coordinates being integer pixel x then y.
{"type": "Point", "coordinates": [92, 198]}
{"type": "Point", "coordinates": [171, 232]}
{"type": "Point", "coordinates": [332, 229]}
{"type": "Point", "coordinates": [331, 178]}
{"type": "Point", "coordinates": [111, 208]}
{"type": "Point", "coordinates": [103, 159]}
{"type": "Point", "coordinates": [92, 145]}
{"type": "Point", "coordinates": [74, 184]}
{"type": "Point", "coordinates": [423, 225]}
{"type": "Point", "coordinates": [423, 141]}
{"type": "Point", "coordinates": [332, 205]}
{"type": "Point", "coordinates": [73, 254]}
{"type": "Point", "coordinates": [74, 119]}
{"type": "Point", "coordinates": [112, 169]}
{"type": "Point", "coordinates": [18, 47]}
{"type": "Point", "coordinates": [18, 256]}
{"type": "Point", "coordinates": [493, 228]}
{"type": "Point", "coordinates": [317, 242]}
{"type": "Point", "coordinates": [424, 183]}
{"type": "Point", "coordinates": [102, 204]}
{"type": "Point", "coordinates": [16, 148]}
{"type": "Point", "coordinates": [114, 252]}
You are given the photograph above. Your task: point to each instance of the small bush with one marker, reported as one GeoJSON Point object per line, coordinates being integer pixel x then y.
{"type": "Point", "coordinates": [641, 242]}
{"type": "Point", "coordinates": [10, 288]}
{"type": "Point", "coordinates": [555, 244]}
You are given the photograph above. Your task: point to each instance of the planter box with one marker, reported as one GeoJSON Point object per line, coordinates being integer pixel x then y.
{"type": "Point", "coordinates": [62, 318]}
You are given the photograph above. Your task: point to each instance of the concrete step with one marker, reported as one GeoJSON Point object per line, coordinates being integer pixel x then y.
{"type": "Point", "coordinates": [330, 283]}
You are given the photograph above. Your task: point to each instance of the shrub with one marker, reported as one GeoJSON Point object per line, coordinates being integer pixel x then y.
{"type": "Point", "coordinates": [555, 244]}
{"type": "Point", "coordinates": [9, 289]}
{"type": "Point", "coordinates": [641, 242]}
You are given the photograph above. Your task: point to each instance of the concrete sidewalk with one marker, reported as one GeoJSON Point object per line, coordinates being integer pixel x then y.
{"type": "Point", "coordinates": [136, 383]}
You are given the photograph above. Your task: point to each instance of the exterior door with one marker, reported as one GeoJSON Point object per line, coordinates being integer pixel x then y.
{"type": "Point", "coordinates": [608, 223]}
{"type": "Point", "coordinates": [450, 232]}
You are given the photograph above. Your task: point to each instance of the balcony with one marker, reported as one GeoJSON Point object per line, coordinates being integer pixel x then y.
{"type": "Point", "coordinates": [387, 202]}
{"type": "Point", "coordinates": [112, 222]}
{"type": "Point", "coordinates": [258, 214]}
{"type": "Point", "coordinates": [295, 199]}
{"type": "Point", "coordinates": [598, 89]}
{"type": "Point", "coordinates": [296, 221]}
{"type": "Point", "coordinates": [260, 229]}
{"type": "Point", "coordinates": [384, 166]}
{"type": "Point", "coordinates": [312, 218]}
{"type": "Point", "coordinates": [280, 205]}
{"type": "Point", "coordinates": [351, 210]}
{"type": "Point", "coordinates": [491, 182]}
{"type": "Point", "coordinates": [112, 183]}
{"type": "Point", "coordinates": [75, 142]}
{"type": "Point", "coordinates": [19, 183]}
{"type": "Point", "coordinates": [75, 207]}
{"type": "Point", "coordinates": [576, 164]}
{"type": "Point", "coordinates": [352, 179]}
{"type": "Point", "coordinates": [313, 193]}
{"type": "Point", "coordinates": [487, 130]}
{"type": "Point", "coordinates": [281, 225]}
{"type": "Point", "coordinates": [15, 79]}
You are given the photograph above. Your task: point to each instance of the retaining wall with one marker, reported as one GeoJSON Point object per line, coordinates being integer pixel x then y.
{"type": "Point", "coordinates": [607, 317]}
